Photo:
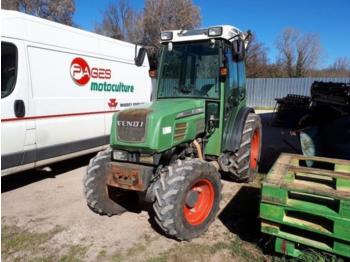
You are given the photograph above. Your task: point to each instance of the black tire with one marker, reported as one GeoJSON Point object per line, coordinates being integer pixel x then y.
{"type": "Point", "coordinates": [241, 167]}
{"type": "Point", "coordinates": [172, 196]}
{"type": "Point", "coordinates": [95, 187]}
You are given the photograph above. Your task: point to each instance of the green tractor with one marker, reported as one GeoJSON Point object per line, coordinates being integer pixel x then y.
{"type": "Point", "coordinates": [171, 151]}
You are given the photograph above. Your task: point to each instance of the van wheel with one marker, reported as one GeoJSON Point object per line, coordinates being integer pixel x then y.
{"type": "Point", "coordinates": [95, 187]}
{"type": "Point", "coordinates": [245, 162]}
{"type": "Point", "coordinates": [187, 198]}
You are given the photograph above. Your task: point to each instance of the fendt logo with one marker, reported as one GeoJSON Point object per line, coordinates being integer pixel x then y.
{"type": "Point", "coordinates": [130, 123]}
{"type": "Point", "coordinates": [81, 73]}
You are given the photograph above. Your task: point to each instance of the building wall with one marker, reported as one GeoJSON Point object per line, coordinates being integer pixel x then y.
{"type": "Point", "coordinates": [261, 92]}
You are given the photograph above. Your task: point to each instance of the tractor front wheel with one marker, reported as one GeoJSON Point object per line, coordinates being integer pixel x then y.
{"type": "Point", "coordinates": [187, 198]}
{"type": "Point", "coordinates": [95, 187]}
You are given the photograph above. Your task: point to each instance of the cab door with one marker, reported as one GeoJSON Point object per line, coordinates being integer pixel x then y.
{"type": "Point", "coordinates": [232, 90]}
{"type": "Point", "coordinates": [14, 105]}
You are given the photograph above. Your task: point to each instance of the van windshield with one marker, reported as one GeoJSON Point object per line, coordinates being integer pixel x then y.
{"type": "Point", "coordinates": [8, 68]}
{"type": "Point", "coordinates": [189, 70]}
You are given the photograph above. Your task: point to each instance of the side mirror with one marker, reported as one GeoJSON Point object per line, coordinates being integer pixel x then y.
{"type": "Point", "coordinates": [140, 56]}
{"type": "Point", "coordinates": [212, 110]}
{"type": "Point", "coordinates": [238, 50]}
{"type": "Point", "coordinates": [152, 73]}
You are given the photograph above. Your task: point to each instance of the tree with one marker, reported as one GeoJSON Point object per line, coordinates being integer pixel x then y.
{"type": "Point", "coordinates": [308, 53]}
{"type": "Point", "coordinates": [341, 64]}
{"type": "Point", "coordinates": [121, 21]}
{"type": "Point", "coordinates": [285, 44]}
{"type": "Point", "coordinates": [60, 11]}
{"type": "Point", "coordinates": [339, 68]}
{"type": "Point", "coordinates": [298, 53]}
{"type": "Point", "coordinates": [162, 15]}
{"type": "Point", "coordinates": [10, 4]}
{"type": "Point", "coordinates": [256, 58]}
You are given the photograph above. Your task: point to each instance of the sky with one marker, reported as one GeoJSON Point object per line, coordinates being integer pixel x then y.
{"type": "Point", "coordinates": [266, 18]}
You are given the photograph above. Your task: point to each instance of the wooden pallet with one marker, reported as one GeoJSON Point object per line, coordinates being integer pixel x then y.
{"type": "Point", "coordinates": [305, 238]}
{"type": "Point", "coordinates": [311, 189]}
{"type": "Point", "coordinates": [314, 222]}
{"type": "Point", "coordinates": [308, 206]}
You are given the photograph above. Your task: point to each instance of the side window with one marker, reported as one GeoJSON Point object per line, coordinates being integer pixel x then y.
{"type": "Point", "coordinates": [233, 76]}
{"type": "Point", "coordinates": [231, 90]}
{"type": "Point", "coordinates": [241, 78]}
{"type": "Point", "coordinates": [8, 68]}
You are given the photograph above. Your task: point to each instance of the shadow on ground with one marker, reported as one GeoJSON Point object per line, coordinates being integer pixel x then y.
{"type": "Point", "coordinates": [241, 217]}
{"type": "Point", "coordinates": [241, 214]}
{"type": "Point", "coordinates": [275, 141]}
{"type": "Point", "coordinates": [13, 181]}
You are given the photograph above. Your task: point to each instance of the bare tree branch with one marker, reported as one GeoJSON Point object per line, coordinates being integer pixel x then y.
{"type": "Point", "coordinates": [298, 53]}
{"type": "Point", "coordinates": [121, 21]}
{"type": "Point", "coordinates": [59, 10]}
{"type": "Point", "coordinates": [167, 15]}
{"type": "Point", "coordinates": [285, 44]}
{"type": "Point", "coordinates": [341, 63]}
{"type": "Point", "coordinates": [256, 58]}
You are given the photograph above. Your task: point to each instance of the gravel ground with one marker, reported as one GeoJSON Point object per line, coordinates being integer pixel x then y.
{"type": "Point", "coordinates": [37, 202]}
{"type": "Point", "coordinates": [59, 202]}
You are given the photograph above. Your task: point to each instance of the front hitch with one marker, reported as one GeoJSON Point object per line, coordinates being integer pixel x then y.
{"type": "Point", "coordinates": [128, 176]}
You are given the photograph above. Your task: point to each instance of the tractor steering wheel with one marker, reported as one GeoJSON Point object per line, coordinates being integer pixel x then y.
{"type": "Point", "coordinates": [205, 89]}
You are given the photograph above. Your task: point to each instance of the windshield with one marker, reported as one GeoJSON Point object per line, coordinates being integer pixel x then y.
{"type": "Point", "coordinates": [189, 70]}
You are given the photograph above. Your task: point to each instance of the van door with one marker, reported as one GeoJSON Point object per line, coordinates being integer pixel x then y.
{"type": "Point", "coordinates": [69, 109]}
{"type": "Point", "coordinates": [14, 105]}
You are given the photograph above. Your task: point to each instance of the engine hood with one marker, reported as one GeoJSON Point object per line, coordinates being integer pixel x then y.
{"type": "Point", "coordinates": [159, 125]}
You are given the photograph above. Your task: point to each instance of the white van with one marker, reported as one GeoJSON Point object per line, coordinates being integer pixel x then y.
{"type": "Point", "coordinates": [59, 88]}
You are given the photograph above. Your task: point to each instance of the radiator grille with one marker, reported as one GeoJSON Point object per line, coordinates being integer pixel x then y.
{"type": "Point", "coordinates": [180, 131]}
{"type": "Point", "coordinates": [131, 125]}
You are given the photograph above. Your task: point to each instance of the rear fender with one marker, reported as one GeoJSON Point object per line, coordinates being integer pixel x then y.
{"type": "Point", "coordinates": [234, 130]}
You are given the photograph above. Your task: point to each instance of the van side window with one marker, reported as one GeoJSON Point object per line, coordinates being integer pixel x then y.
{"type": "Point", "coordinates": [8, 68]}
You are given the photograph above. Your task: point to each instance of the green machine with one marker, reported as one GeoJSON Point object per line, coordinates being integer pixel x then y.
{"type": "Point", "coordinates": [171, 151]}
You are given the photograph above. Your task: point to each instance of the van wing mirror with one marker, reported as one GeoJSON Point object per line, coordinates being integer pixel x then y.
{"type": "Point", "coordinates": [140, 57]}
{"type": "Point", "coordinates": [238, 50]}
{"type": "Point", "coordinates": [152, 73]}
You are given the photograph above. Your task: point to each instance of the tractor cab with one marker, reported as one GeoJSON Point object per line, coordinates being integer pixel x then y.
{"type": "Point", "coordinates": [206, 64]}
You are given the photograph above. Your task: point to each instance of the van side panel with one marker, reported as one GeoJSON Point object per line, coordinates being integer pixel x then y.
{"type": "Point", "coordinates": [73, 115]}
{"type": "Point", "coordinates": [65, 113]}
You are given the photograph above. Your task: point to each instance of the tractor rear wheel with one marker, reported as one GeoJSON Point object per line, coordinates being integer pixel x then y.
{"type": "Point", "coordinates": [245, 162]}
{"type": "Point", "coordinates": [187, 198]}
{"type": "Point", "coordinates": [95, 187]}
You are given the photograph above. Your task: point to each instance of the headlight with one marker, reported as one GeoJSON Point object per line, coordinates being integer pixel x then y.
{"type": "Point", "coordinates": [120, 155]}
{"type": "Point", "coordinates": [215, 31]}
{"type": "Point", "coordinates": [166, 36]}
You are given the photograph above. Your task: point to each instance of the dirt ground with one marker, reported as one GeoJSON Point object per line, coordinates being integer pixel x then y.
{"type": "Point", "coordinates": [45, 218]}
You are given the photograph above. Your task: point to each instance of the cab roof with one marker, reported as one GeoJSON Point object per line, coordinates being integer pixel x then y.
{"type": "Point", "coordinates": [228, 32]}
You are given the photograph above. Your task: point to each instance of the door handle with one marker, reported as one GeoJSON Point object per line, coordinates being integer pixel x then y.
{"type": "Point", "coordinates": [242, 95]}
{"type": "Point", "coordinates": [233, 101]}
{"type": "Point", "coordinates": [20, 109]}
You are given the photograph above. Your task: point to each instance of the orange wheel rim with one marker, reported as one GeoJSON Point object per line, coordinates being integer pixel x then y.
{"type": "Point", "coordinates": [197, 213]}
{"type": "Point", "coordinates": [254, 149]}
